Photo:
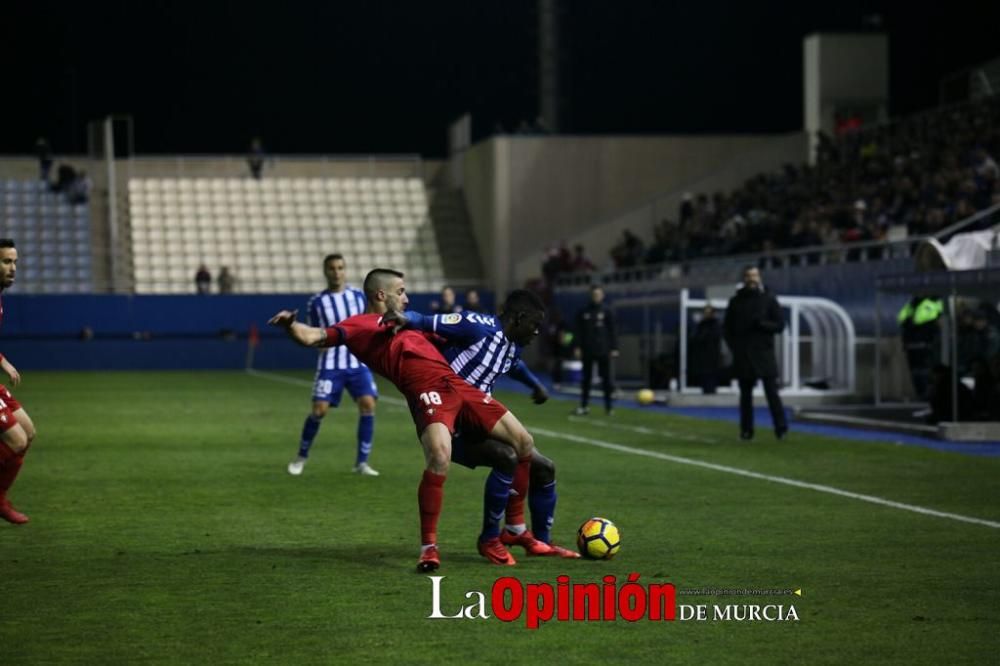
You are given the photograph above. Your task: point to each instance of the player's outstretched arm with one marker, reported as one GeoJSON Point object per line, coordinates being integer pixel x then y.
{"type": "Point", "coordinates": [307, 336]}
{"type": "Point", "coordinates": [8, 367]}
{"type": "Point", "coordinates": [521, 373]}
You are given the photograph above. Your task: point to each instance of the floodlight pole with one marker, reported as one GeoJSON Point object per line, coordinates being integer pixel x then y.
{"type": "Point", "coordinates": [683, 344]}
{"type": "Point", "coordinates": [878, 345]}
{"type": "Point", "coordinates": [109, 158]}
{"type": "Point", "coordinates": [954, 354]}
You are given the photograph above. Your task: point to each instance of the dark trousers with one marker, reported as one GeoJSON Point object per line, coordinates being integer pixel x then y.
{"type": "Point", "coordinates": [604, 367]}
{"type": "Point", "coordinates": [709, 383]}
{"type": "Point", "coordinates": [773, 403]}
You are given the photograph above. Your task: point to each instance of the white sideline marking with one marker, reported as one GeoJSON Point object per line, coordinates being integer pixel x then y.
{"type": "Point", "coordinates": [698, 463]}
{"type": "Point", "coordinates": [304, 382]}
{"type": "Point", "coordinates": [766, 477]}
{"type": "Point", "coordinates": [643, 430]}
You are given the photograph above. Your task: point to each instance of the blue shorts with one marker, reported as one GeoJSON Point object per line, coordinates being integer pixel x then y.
{"type": "Point", "coordinates": [330, 385]}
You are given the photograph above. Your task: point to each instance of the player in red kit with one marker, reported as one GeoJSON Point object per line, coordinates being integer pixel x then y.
{"type": "Point", "coordinates": [436, 395]}
{"type": "Point", "coordinates": [16, 428]}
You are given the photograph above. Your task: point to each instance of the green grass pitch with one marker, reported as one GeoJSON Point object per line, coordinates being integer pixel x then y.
{"type": "Point", "coordinates": [164, 529]}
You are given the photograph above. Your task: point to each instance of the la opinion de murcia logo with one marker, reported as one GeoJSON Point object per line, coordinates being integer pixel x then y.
{"type": "Point", "coordinates": [510, 600]}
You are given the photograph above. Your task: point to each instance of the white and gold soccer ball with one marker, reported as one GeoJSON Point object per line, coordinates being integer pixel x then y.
{"type": "Point", "coordinates": [598, 539]}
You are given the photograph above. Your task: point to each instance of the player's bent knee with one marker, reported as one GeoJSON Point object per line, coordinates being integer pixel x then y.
{"type": "Point", "coordinates": [525, 444]}
{"type": "Point", "coordinates": [366, 405]}
{"type": "Point", "coordinates": [438, 464]}
{"type": "Point", "coordinates": [543, 470]}
{"type": "Point", "coordinates": [16, 439]}
{"type": "Point", "coordinates": [503, 459]}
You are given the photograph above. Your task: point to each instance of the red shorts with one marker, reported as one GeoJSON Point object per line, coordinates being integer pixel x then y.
{"type": "Point", "coordinates": [8, 405]}
{"type": "Point", "coordinates": [447, 399]}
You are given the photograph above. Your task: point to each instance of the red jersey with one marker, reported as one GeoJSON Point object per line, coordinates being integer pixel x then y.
{"type": "Point", "coordinates": [409, 360]}
{"type": "Point", "coordinates": [406, 358]}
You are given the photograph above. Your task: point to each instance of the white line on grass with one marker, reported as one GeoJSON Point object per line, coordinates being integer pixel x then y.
{"type": "Point", "coordinates": [765, 477]}
{"type": "Point", "coordinates": [696, 463]}
{"type": "Point", "coordinates": [643, 430]}
{"type": "Point", "coordinates": [274, 377]}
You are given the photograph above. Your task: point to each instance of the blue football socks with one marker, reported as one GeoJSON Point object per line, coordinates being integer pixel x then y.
{"type": "Point", "coordinates": [366, 430]}
{"type": "Point", "coordinates": [542, 504]}
{"type": "Point", "coordinates": [309, 430]}
{"type": "Point", "coordinates": [495, 497]}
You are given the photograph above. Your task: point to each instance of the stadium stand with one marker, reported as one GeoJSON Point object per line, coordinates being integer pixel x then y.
{"type": "Point", "coordinates": [52, 236]}
{"type": "Point", "coordinates": [915, 176]}
{"type": "Point", "coordinates": [273, 233]}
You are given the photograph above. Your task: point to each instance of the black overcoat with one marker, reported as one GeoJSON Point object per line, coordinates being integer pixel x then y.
{"type": "Point", "coordinates": [753, 317]}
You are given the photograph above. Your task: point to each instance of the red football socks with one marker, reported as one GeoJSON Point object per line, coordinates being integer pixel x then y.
{"type": "Point", "coordinates": [8, 473]}
{"type": "Point", "coordinates": [430, 496]}
{"type": "Point", "coordinates": [515, 506]}
{"type": "Point", "coordinates": [6, 453]}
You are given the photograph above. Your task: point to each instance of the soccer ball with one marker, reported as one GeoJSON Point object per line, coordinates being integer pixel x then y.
{"type": "Point", "coordinates": [598, 539]}
{"type": "Point", "coordinates": [645, 397]}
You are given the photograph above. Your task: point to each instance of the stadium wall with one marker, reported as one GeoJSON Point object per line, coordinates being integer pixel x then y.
{"type": "Point", "coordinates": [235, 166]}
{"type": "Point", "coordinates": [46, 332]}
{"type": "Point", "coordinates": [527, 193]}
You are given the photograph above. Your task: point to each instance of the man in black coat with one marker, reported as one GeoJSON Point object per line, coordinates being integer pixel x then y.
{"type": "Point", "coordinates": [753, 317]}
{"type": "Point", "coordinates": [706, 351]}
{"type": "Point", "coordinates": [595, 342]}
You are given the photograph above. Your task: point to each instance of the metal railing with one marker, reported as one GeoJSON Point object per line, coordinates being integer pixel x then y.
{"type": "Point", "coordinates": [812, 255]}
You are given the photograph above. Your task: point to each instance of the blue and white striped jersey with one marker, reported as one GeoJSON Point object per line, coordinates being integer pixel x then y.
{"type": "Point", "coordinates": [477, 349]}
{"type": "Point", "coordinates": [326, 309]}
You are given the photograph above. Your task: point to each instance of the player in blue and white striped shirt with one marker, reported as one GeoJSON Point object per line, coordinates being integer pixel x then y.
{"type": "Point", "coordinates": [479, 349]}
{"type": "Point", "coordinates": [337, 368]}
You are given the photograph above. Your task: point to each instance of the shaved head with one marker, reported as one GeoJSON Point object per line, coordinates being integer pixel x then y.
{"type": "Point", "coordinates": [385, 291]}
{"type": "Point", "coordinates": [379, 279]}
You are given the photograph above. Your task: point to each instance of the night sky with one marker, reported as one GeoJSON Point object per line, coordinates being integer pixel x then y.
{"type": "Point", "coordinates": [377, 76]}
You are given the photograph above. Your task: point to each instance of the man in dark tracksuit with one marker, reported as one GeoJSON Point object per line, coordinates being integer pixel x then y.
{"type": "Point", "coordinates": [753, 317]}
{"type": "Point", "coordinates": [595, 341]}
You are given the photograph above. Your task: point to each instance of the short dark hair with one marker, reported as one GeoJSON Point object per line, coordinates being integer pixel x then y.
{"type": "Point", "coordinates": [7, 242]}
{"type": "Point", "coordinates": [377, 279]}
{"type": "Point", "coordinates": [331, 257]}
{"type": "Point", "coordinates": [522, 300]}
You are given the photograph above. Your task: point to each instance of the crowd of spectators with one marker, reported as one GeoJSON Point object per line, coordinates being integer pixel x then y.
{"type": "Point", "coordinates": [203, 280]}
{"type": "Point", "coordinates": [560, 260]}
{"type": "Point", "coordinates": [447, 304]}
{"type": "Point", "coordinates": [916, 176]}
{"type": "Point", "coordinates": [73, 184]}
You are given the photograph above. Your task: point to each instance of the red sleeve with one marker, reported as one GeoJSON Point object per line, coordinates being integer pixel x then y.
{"type": "Point", "coordinates": [1, 357]}
{"type": "Point", "coordinates": [335, 335]}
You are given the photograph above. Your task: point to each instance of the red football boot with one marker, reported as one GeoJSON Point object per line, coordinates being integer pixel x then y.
{"type": "Point", "coordinates": [535, 547]}
{"type": "Point", "coordinates": [564, 552]}
{"type": "Point", "coordinates": [526, 540]}
{"type": "Point", "coordinates": [10, 514]}
{"type": "Point", "coordinates": [493, 550]}
{"type": "Point", "coordinates": [429, 560]}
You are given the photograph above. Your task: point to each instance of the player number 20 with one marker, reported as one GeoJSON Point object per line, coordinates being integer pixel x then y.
{"type": "Point", "coordinates": [431, 398]}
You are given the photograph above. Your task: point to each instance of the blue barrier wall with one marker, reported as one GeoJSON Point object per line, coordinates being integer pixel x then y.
{"type": "Point", "coordinates": [153, 332]}
{"type": "Point", "coordinates": [851, 285]}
